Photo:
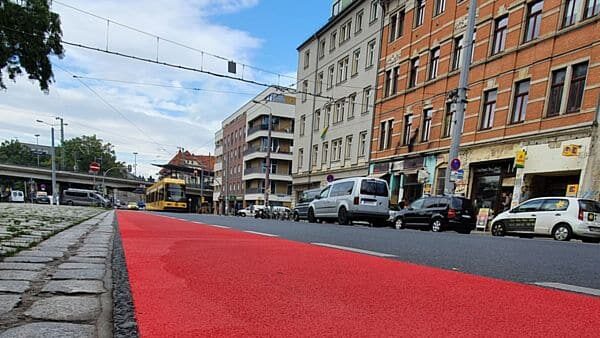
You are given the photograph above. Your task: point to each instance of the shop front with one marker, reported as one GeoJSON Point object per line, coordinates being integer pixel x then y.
{"type": "Point", "coordinates": [493, 184]}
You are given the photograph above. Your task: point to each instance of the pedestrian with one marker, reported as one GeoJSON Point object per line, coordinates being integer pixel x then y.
{"type": "Point", "coordinates": [505, 201]}
{"type": "Point", "coordinates": [524, 193]}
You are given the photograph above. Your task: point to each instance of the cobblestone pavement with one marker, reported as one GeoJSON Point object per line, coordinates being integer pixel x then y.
{"type": "Point", "coordinates": [61, 287]}
{"type": "Point", "coordinates": [25, 225]}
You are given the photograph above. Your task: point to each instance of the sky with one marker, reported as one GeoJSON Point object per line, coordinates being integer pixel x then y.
{"type": "Point", "coordinates": [118, 100]}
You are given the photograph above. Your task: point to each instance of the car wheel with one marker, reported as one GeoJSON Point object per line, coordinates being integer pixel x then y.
{"type": "Point", "coordinates": [343, 216]}
{"type": "Point", "coordinates": [242, 214]}
{"type": "Point", "coordinates": [562, 232]}
{"type": "Point", "coordinates": [498, 229]}
{"type": "Point", "coordinates": [436, 225]}
{"type": "Point", "coordinates": [399, 223]}
{"type": "Point", "coordinates": [311, 216]}
{"type": "Point", "coordinates": [296, 217]}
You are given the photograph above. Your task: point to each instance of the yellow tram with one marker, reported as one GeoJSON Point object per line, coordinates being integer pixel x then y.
{"type": "Point", "coordinates": [168, 194]}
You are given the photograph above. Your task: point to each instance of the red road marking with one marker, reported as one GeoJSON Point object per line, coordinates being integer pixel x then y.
{"type": "Point", "coordinates": [193, 280]}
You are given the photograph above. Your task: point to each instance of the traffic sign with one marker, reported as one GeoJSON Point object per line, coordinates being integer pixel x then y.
{"type": "Point", "coordinates": [94, 167]}
{"type": "Point", "coordinates": [455, 164]}
{"type": "Point", "coordinates": [330, 178]}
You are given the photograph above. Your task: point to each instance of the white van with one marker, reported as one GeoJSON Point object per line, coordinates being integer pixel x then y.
{"type": "Point", "coordinates": [352, 199]}
{"type": "Point", "coordinates": [83, 197]}
{"type": "Point", "coordinates": [16, 196]}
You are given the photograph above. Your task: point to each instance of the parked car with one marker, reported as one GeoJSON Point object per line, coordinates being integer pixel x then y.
{"type": "Point", "coordinates": [41, 197]}
{"type": "Point", "coordinates": [562, 218]}
{"type": "Point", "coordinates": [438, 213]}
{"type": "Point", "coordinates": [141, 205]}
{"type": "Point", "coordinates": [352, 199]}
{"type": "Point", "coordinates": [16, 196]}
{"type": "Point", "coordinates": [249, 211]}
{"type": "Point", "coordinates": [301, 208]}
{"type": "Point", "coordinates": [84, 197]}
{"type": "Point", "coordinates": [132, 206]}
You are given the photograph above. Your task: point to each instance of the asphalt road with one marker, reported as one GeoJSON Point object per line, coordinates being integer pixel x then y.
{"type": "Point", "coordinates": [510, 258]}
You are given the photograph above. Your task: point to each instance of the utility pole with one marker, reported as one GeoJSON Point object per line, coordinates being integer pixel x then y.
{"type": "Point", "coordinates": [37, 151]}
{"type": "Point", "coordinates": [224, 183]}
{"type": "Point", "coordinates": [449, 185]}
{"type": "Point", "coordinates": [62, 142]}
{"type": "Point", "coordinates": [201, 187]}
{"type": "Point", "coordinates": [135, 164]}
{"type": "Point", "coordinates": [53, 155]}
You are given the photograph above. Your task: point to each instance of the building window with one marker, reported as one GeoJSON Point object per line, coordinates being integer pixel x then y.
{"type": "Point", "coordinates": [520, 102]}
{"type": "Point", "coordinates": [434, 62]}
{"type": "Point", "coordinates": [315, 153]}
{"type": "Point", "coordinates": [355, 60]}
{"type": "Point", "coordinates": [396, 25]}
{"type": "Point", "coordinates": [366, 100]}
{"type": "Point", "coordinates": [489, 109]}
{"type": "Point", "coordinates": [306, 59]}
{"type": "Point", "coordinates": [534, 20]}
{"type": "Point", "coordinates": [419, 12]}
{"type": "Point", "coordinates": [322, 47]}
{"type": "Point", "coordinates": [359, 21]}
{"type": "Point", "coordinates": [338, 113]}
{"type": "Point", "coordinates": [370, 61]}
{"type": "Point", "coordinates": [458, 51]}
{"type": "Point", "coordinates": [342, 70]}
{"type": "Point", "coordinates": [362, 144]}
{"type": "Point", "coordinates": [325, 153]}
{"type": "Point", "coordinates": [317, 120]}
{"type": "Point", "coordinates": [351, 105]}
{"type": "Point", "coordinates": [571, 13]}
{"type": "Point", "coordinates": [336, 149]}
{"type": "Point", "coordinates": [449, 119]}
{"type": "Point", "coordinates": [320, 83]}
{"type": "Point", "coordinates": [348, 151]}
{"type": "Point", "coordinates": [345, 31]}
{"type": "Point", "coordinates": [592, 8]}
{"type": "Point", "coordinates": [304, 90]}
{"type": "Point", "coordinates": [302, 124]}
{"type": "Point", "coordinates": [332, 39]}
{"type": "Point", "coordinates": [385, 134]}
{"type": "Point", "coordinates": [374, 11]}
{"type": "Point", "coordinates": [413, 73]}
{"type": "Point", "coordinates": [391, 81]}
{"type": "Point", "coordinates": [300, 158]}
{"type": "Point", "coordinates": [500, 32]}
{"type": "Point", "coordinates": [427, 116]}
{"type": "Point", "coordinates": [440, 181]}
{"type": "Point", "coordinates": [406, 135]}
{"type": "Point", "coordinates": [330, 75]}
{"type": "Point", "coordinates": [556, 92]}
{"type": "Point", "coordinates": [439, 7]}
{"type": "Point", "coordinates": [576, 87]}
{"type": "Point", "coordinates": [327, 117]}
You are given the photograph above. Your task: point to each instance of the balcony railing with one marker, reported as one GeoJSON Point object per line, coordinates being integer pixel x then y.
{"type": "Point", "coordinates": [262, 191]}
{"type": "Point", "coordinates": [249, 171]}
{"type": "Point", "coordinates": [264, 150]}
{"type": "Point", "coordinates": [265, 127]}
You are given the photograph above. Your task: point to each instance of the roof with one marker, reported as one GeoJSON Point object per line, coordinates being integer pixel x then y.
{"type": "Point", "coordinates": [184, 161]}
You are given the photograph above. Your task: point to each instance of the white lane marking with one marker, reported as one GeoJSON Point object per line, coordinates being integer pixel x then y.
{"type": "Point", "coordinates": [213, 225]}
{"type": "Point", "coordinates": [568, 287]}
{"type": "Point", "coordinates": [260, 233]}
{"type": "Point", "coordinates": [367, 252]}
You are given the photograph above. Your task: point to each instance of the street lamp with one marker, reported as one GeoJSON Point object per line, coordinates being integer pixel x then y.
{"type": "Point", "coordinates": [62, 142]}
{"type": "Point", "coordinates": [54, 188]}
{"type": "Point", "coordinates": [37, 151]}
{"type": "Point", "coordinates": [268, 159]}
{"type": "Point", "coordinates": [135, 164]}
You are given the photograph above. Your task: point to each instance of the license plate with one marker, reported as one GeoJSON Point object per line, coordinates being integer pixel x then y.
{"type": "Point", "coordinates": [372, 203]}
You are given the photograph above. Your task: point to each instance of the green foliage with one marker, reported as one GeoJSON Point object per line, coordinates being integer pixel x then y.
{"type": "Point", "coordinates": [14, 152]}
{"type": "Point", "coordinates": [81, 151]}
{"type": "Point", "coordinates": [29, 34]}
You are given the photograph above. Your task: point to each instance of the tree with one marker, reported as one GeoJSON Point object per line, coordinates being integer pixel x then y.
{"type": "Point", "coordinates": [15, 152]}
{"type": "Point", "coordinates": [83, 150]}
{"type": "Point", "coordinates": [29, 34]}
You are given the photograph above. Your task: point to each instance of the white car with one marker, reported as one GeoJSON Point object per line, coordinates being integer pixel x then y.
{"type": "Point", "coordinates": [249, 211]}
{"type": "Point", "coordinates": [16, 196]}
{"type": "Point", "coordinates": [562, 218]}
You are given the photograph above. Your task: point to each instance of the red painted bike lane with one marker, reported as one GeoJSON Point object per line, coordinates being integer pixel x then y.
{"type": "Point", "coordinates": [193, 280]}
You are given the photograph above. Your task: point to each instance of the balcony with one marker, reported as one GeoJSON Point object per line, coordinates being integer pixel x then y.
{"type": "Point", "coordinates": [261, 152]}
{"type": "Point", "coordinates": [262, 130]}
{"type": "Point", "coordinates": [259, 173]}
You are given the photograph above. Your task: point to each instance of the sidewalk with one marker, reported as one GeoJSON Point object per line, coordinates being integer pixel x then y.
{"type": "Point", "coordinates": [61, 287]}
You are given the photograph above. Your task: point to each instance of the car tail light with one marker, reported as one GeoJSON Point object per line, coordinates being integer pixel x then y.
{"type": "Point", "coordinates": [451, 213]}
{"type": "Point", "coordinates": [356, 200]}
{"type": "Point", "coordinates": [580, 214]}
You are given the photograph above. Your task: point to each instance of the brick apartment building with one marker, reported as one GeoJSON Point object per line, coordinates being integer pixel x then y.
{"type": "Point", "coordinates": [230, 141]}
{"type": "Point", "coordinates": [534, 89]}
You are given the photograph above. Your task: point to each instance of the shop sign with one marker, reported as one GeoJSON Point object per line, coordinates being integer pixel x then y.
{"type": "Point", "coordinates": [572, 190]}
{"type": "Point", "coordinates": [520, 158]}
{"type": "Point", "coordinates": [380, 168]}
{"type": "Point", "coordinates": [413, 163]}
{"type": "Point", "coordinates": [398, 166]}
{"type": "Point", "coordinates": [461, 188]}
{"type": "Point", "coordinates": [427, 189]}
{"type": "Point", "coordinates": [571, 150]}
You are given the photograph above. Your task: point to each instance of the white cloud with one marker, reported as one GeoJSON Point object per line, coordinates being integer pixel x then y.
{"type": "Point", "coordinates": [167, 117]}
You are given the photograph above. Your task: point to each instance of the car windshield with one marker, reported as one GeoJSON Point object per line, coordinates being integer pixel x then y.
{"type": "Point", "coordinates": [372, 187]}
{"type": "Point", "coordinates": [589, 206]}
{"type": "Point", "coordinates": [175, 193]}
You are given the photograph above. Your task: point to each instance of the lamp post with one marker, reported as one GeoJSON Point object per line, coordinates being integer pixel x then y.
{"type": "Point", "coordinates": [37, 151]}
{"type": "Point", "coordinates": [62, 142]}
{"type": "Point", "coordinates": [135, 164]}
{"type": "Point", "coordinates": [53, 155]}
{"type": "Point", "coordinates": [268, 159]}
{"type": "Point", "coordinates": [103, 176]}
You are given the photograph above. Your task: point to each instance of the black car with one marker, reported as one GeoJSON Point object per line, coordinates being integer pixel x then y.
{"type": "Point", "coordinates": [301, 209]}
{"type": "Point", "coordinates": [438, 213]}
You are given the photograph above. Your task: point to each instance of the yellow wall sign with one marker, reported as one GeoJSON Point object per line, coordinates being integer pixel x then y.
{"type": "Point", "coordinates": [572, 190]}
{"type": "Point", "coordinates": [571, 150]}
{"type": "Point", "coordinates": [520, 158]}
